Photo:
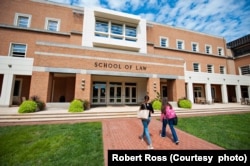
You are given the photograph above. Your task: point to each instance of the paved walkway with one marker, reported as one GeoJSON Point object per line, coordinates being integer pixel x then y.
{"type": "Point", "coordinates": [124, 134]}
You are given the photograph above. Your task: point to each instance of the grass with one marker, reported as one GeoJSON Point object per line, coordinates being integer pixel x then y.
{"type": "Point", "coordinates": [60, 144]}
{"type": "Point", "coordinates": [231, 132]}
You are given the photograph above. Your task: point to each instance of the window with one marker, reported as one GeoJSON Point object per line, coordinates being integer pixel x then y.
{"type": "Point", "coordinates": [114, 30]}
{"type": "Point", "coordinates": [208, 49]}
{"type": "Point", "coordinates": [180, 44]}
{"type": "Point", "coordinates": [196, 67]}
{"type": "Point", "coordinates": [130, 33]}
{"type": "Point", "coordinates": [22, 20]}
{"type": "Point", "coordinates": [52, 24]}
{"type": "Point", "coordinates": [163, 42]}
{"type": "Point", "coordinates": [18, 50]}
{"type": "Point", "coordinates": [195, 47]}
{"type": "Point", "coordinates": [210, 68]}
{"type": "Point", "coordinates": [245, 70]}
{"type": "Point", "coordinates": [220, 51]}
{"type": "Point", "coordinates": [222, 70]}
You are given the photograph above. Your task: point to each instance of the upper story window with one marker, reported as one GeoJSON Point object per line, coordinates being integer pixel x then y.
{"type": "Point", "coordinates": [196, 67]}
{"type": "Point", "coordinates": [52, 24]}
{"type": "Point", "coordinates": [163, 42]}
{"type": "Point", "coordinates": [220, 51]}
{"type": "Point", "coordinates": [18, 50]}
{"type": "Point", "coordinates": [245, 70]}
{"type": "Point", "coordinates": [210, 68]}
{"type": "Point", "coordinates": [208, 49]}
{"type": "Point", "coordinates": [22, 20]}
{"type": "Point", "coordinates": [115, 30]}
{"type": "Point", "coordinates": [180, 44]}
{"type": "Point", "coordinates": [130, 33]}
{"type": "Point", "coordinates": [195, 47]}
{"type": "Point", "coordinates": [222, 70]}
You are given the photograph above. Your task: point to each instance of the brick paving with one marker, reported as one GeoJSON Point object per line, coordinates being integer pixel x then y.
{"type": "Point", "coordinates": [119, 134]}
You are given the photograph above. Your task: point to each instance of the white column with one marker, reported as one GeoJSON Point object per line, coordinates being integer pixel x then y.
{"type": "Point", "coordinates": [208, 93]}
{"type": "Point", "coordinates": [238, 93]}
{"type": "Point", "coordinates": [190, 93]}
{"type": "Point", "coordinates": [224, 93]}
{"type": "Point", "coordinates": [7, 90]}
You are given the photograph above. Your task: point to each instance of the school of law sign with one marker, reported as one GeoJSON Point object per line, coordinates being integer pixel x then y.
{"type": "Point", "coordinates": [109, 65]}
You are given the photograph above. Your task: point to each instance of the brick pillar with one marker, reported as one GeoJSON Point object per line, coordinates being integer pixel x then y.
{"type": "Point", "coordinates": [39, 85]}
{"type": "Point", "coordinates": [83, 93]}
{"type": "Point", "coordinates": [153, 86]}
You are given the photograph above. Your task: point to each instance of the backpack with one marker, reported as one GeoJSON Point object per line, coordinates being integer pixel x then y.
{"type": "Point", "coordinates": [170, 113]}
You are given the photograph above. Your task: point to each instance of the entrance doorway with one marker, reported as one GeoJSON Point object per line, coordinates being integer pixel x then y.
{"type": "Point", "coordinates": [115, 91]}
{"type": "Point", "coordinates": [130, 93]}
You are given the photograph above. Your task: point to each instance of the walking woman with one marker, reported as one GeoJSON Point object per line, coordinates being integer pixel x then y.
{"type": "Point", "coordinates": [170, 115]}
{"type": "Point", "coordinates": [163, 117]}
{"type": "Point", "coordinates": [145, 122]}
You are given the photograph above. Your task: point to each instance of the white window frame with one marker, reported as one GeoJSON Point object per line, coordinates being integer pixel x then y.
{"type": "Point", "coordinates": [198, 67]}
{"type": "Point", "coordinates": [18, 15]}
{"type": "Point", "coordinates": [247, 68]}
{"type": "Point", "coordinates": [182, 44]}
{"type": "Point", "coordinates": [220, 51]}
{"type": "Point", "coordinates": [111, 35]}
{"type": "Point", "coordinates": [166, 43]}
{"type": "Point", "coordinates": [52, 19]}
{"type": "Point", "coordinates": [11, 53]}
{"type": "Point", "coordinates": [197, 46]}
{"type": "Point", "coordinates": [210, 68]}
{"type": "Point", "coordinates": [222, 70]}
{"type": "Point", "coordinates": [209, 49]}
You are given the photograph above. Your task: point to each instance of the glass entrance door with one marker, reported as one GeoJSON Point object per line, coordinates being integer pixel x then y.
{"type": "Point", "coordinates": [130, 93]}
{"type": "Point", "coordinates": [115, 91]}
{"type": "Point", "coordinates": [99, 93]}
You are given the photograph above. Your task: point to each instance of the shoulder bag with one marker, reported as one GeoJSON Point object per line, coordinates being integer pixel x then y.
{"type": "Point", "coordinates": [143, 114]}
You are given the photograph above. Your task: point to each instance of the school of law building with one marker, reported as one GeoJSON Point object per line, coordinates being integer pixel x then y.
{"type": "Point", "coordinates": [61, 52]}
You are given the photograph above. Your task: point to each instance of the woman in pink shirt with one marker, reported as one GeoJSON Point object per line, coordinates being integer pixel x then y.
{"type": "Point", "coordinates": [167, 117]}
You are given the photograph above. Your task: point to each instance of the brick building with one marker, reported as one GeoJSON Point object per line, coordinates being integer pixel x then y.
{"type": "Point", "coordinates": [60, 53]}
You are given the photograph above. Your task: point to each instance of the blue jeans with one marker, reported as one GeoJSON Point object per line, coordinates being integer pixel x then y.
{"type": "Point", "coordinates": [164, 125]}
{"type": "Point", "coordinates": [146, 131]}
{"type": "Point", "coordinates": [171, 125]}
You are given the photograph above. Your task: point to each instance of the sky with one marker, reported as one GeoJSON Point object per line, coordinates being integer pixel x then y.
{"type": "Point", "coordinates": [229, 19]}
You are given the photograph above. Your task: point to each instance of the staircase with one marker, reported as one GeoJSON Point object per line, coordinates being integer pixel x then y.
{"type": "Point", "coordinates": [106, 113]}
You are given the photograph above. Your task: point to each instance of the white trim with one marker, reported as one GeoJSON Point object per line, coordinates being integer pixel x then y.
{"type": "Point", "coordinates": [197, 46]}
{"type": "Point", "coordinates": [182, 44]}
{"type": "Point", "coordinates": [47, 19]}
{"type": "Point", "coordinates": [17, 15]}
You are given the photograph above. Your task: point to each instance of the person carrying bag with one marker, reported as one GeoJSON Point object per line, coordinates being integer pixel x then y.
{"type": "Point", "coordinates": [171, 120]}
{"type": "Point", "coordinates": [145, 122]}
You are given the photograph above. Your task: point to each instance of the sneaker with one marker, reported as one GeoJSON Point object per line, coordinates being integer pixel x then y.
{"type": "Point", "coordinates": [150, 147]}
{"type": "Point", "coordinates": [162, 136]}
{"type": "Point", "coordinates": [177, 142]}
{"type": "Point", "coordinates": [141, 138]}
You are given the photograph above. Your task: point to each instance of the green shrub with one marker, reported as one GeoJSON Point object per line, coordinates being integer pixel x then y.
{"type": "Point", "coordinates": [27, 106]}
{"type": "Point", "coordinates": [86, 104]}
{"type": "Point", "coordinates": [156, 104]}
{"type": "Point", "coordinates": [76, 106]}
{"type": "Point", "coordinates": [40, 104]}
{"type": "Point", "coordinates": [184, 103]}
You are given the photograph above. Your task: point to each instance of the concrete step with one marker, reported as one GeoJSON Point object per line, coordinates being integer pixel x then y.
{"type": "Point", "coordinates": [90, 115]}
